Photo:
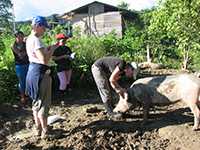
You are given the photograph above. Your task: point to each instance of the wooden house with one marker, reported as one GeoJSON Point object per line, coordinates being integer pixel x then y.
{"type": "Point", "coordinates": [98, 18]}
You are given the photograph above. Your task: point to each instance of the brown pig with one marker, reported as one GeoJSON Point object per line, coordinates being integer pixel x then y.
{"type": "Point", "coordinates": [163, 90]}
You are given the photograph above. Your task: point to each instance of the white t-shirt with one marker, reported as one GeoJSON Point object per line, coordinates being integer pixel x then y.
{"type": "Point", "coordinates": [33, 43]}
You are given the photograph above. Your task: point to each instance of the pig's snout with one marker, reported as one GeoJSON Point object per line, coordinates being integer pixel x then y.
{"type": "Point", "coordinates": [122, 105]}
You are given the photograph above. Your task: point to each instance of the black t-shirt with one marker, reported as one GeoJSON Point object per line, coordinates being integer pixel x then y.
{"type": "Point", "coordinates": [108, 64]}
{"type": "Point", "coordinates": [64, 63]}
{"type": "Point", "coordinates": [19, 52]}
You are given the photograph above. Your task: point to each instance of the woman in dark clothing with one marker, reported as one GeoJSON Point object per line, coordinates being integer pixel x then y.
{"type": "Point", "coordinates": [21, 63]}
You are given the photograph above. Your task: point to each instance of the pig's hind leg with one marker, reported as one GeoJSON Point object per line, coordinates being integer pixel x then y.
{"type": "Point", "coordinates": [195, 110]}
{"type": "Point", "coordinates": [193, 101]}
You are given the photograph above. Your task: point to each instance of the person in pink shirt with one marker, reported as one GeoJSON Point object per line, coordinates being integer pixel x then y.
{"type": "Point", "coordinates": [63, 59]}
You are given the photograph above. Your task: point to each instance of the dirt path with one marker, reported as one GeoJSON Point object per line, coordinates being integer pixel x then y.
{"type": "Point", "coordinates": [86, 127]}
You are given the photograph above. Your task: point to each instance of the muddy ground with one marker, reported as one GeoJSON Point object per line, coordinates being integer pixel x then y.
{"type": "Point", "coordinates": [85, 126]}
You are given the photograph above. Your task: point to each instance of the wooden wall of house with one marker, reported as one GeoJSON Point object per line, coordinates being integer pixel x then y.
{"type": "Point", "coordinates": [98, 24]}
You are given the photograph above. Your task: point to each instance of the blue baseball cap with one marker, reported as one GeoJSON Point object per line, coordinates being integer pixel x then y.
{"type": "Point", "coordinates": [41, 21]}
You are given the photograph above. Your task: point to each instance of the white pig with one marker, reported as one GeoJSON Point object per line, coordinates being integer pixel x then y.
{"type": "Point", "coordinates": [163, 90]}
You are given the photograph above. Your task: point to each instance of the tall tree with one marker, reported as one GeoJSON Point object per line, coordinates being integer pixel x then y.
{"type": "Point", "coordinates": [5, 17]}
{"type": "Point", "coordinates": [5, 13]}
{"type": "Point", "coordinates": [179, 21]}
{"type": "Point", "coordinates": [123, 5]}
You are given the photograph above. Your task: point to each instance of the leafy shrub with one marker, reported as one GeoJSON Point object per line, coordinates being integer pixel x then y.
{"type": "Point", "coordinates": [87, 50]}
{"type": "Point", "coordinates": [8, 86]}
{"type": "Point", "coordinates": [8, 80]}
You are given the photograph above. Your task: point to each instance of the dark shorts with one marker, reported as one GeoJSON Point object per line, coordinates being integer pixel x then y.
{"type": "Point", "coordinates": [42, 105]}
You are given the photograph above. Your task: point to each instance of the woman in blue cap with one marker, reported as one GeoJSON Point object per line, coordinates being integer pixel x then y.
{"type": "Point", "coordinates": [38, 81]}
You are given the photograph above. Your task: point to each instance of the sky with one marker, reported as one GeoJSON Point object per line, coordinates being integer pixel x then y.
{"type": "Point", "coordinates": [27, 9]}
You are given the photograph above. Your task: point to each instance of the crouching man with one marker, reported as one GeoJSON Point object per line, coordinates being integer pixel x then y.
{"type": "Point", "coordinates": [163, 90]}
{"type": "Point", "coordinates": [106, 72]}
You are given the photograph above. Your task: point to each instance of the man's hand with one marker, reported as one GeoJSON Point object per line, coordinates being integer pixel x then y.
{"type": "Point", "coordinates": [122, 92]}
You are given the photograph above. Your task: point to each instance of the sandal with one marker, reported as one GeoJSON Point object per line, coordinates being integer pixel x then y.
{"type": "Point", "coordinates": [37, 130]}
{"type": "Point", "coordinates": [44, 134]}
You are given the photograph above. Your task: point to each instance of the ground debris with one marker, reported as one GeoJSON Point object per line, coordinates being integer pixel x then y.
{"type": "Point", "coordinates": [87, 127]}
